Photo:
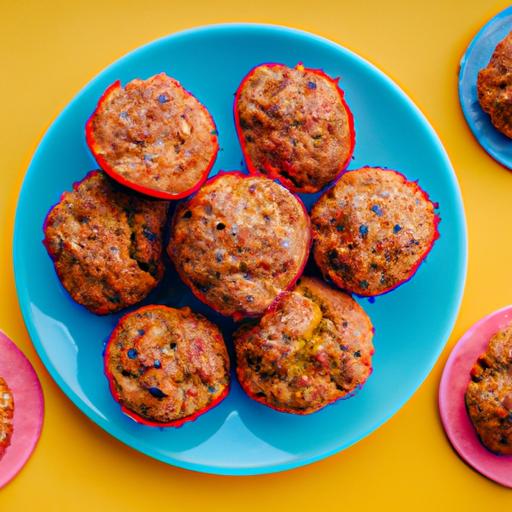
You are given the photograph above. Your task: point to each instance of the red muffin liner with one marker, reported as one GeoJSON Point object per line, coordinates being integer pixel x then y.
{"type": "Point", "coordinates": [237, 315]}
{"type": "Point", "coordinates": [76, 184]}
{"type": "Point", "coordinates": [91, 143]}
{"type": "Point", "coordinates": [133, 415]}
{"type": "Point", "coordinates": [437, 220]}
{"type": "Point", "coordinates": [273, 172]}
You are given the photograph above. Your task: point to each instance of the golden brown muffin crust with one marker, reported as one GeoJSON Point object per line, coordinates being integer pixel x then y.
{"type": "Point", "coordinates": [106, 243]}
{"type": "Point", "coordinates": [494, 87]}
{"type": "Point", "coordinates": [372, 230]}
{"type": "Point", "coordinates": [154, 133]}
{"type": "Point", "coordinates": [312, 347]}
{"type": "Point", "coordinates": [240, 242]}
{"type": "Point", "coordinates": [295, 121]}
{"type": "Point", "coordinates": [6, 416]}
{"type": "Point", "coordinates": [489, 394]}
{"type": "Point", "coordinates": [167, 364]}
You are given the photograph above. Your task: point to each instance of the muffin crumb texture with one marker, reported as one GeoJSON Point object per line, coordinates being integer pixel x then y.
{"type": "Point", "coordinates": [494, 87]}
{"type": "Point", "coordinates": [167, 365]}
{"type": "Point", "coordinates": [489, 394]}
{"type": "Point", "coordinates": [239, 242]}
{"type": "Point", "coordinates": [106, 243]}
{"type": "Point", "coordinates": [372, 230]}
{"type": "Point", "coordinates": [313, 347]}
{"type": "Point", "coordinates": [6, 416]}
{"type": "Point", "coordinates": [153, 134]}
{"type": "Point", "coordinates": [294, 125]}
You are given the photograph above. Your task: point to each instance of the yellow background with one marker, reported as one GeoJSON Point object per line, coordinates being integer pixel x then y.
{"type": "Point", "coordinates": [49, 50]}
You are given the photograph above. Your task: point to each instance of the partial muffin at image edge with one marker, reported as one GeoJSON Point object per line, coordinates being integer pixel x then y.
{"type": "Point", "coordinates": [372, 230]}
{"type": "Point", "coordinates": [311, 348]}
{"type": "Point", "coordinates": [494, 87]}
{"type": "Point", "coordinates": [166, 366]}
{"type": "Point", "coordinates": [240, 242]}
{"type": "Point", "coordinates": [294, 125]}
{"type": "Point", "coordinates": [488, 395]}
{"type": "Point", "coordinates": [153, 136]}
{"type": "Point", "coordinates": [106, 243]}
{"type": "Point", "coordinates": [6, 416]}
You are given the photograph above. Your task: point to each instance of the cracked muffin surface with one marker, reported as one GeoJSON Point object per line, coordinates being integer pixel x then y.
{"type": "Point", "coordinates": [294, 125]}
{"type": "Point", "coordinates": [239, 242]}
{"type": "Point", "coordinates": [154, 136]}
{"type": "Point", "coordinates": [372, 230]}
{"type": "Point", "coordinates": [489, 394]}
{"type": "Point", "coordinates": [494, 87]}
{"type": "Point", "coordinates": [6, 416]}
{"type": "Point", "coordinates": [311, 348]}
{"type": "Point", "coordinates": [106, 243]}
{"type": "Point", "coordinates": [166, 364]}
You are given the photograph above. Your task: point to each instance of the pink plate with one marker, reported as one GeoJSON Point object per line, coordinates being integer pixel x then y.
{"type": "Point", "coordinates": [452, 408]}
{"type": "Point", "coordinates": [21, 378]}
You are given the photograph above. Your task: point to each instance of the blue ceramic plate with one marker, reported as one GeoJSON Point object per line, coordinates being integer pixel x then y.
{"type": "Point", "coordinates": [477, 57]}
{"type": "Point", "coordinates": [412, 323]}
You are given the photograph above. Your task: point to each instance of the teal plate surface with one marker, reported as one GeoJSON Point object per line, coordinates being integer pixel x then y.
{"type": "Point", "coordinates": [412, 323]}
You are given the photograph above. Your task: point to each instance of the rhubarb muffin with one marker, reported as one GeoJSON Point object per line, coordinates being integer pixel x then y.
{"type": "Point", "coordinates": [153, 136]}
{"type": "Point", "coordinates": [372, 230]}
{"type": "Point", "coordinates": [494, 87]}
{"type": "Point", "coordinates": [294, 125]}
{"type": "Point", "coordinates": [311, 348]}
{"type": "Point", "coordinates": [239, 242]}
{"type": "Point", "coordinates": [489, 394]}
{"type": "Point", "coordinates": [6, 416]}
{"type": "Point", "coordinates": [166, 366]}
{"type": "Point", "coordinates": [106, 243]}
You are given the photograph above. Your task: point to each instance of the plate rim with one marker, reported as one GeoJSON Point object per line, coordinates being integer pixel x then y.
{"type": "Point", "coordinates": [462, 242]}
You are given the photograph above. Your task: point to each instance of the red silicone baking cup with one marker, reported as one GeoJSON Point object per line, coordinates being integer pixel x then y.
{"type": "Point", "coordinates": [273, 172]}
{"type": "Point", "coordinates": [143, 189]}
{"type": "Point", "coordinates": [132, 414]}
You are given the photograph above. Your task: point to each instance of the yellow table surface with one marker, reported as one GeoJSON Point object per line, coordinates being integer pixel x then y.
{"type": "Point", "coordinates": [49, 50]}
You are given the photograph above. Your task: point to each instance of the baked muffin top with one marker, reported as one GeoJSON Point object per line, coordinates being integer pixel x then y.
{"type": "Point", "coordinates": [106, 243]}
{"type": "Point", "coordinates": [239, 242]}
{"type": "Point", "coordinates": [154, 136]}
{"type": "Point", "coordinates": [294, 125]}
{"type": "Point", "coordinates": [372, 230]}
{"type": "Point", "coordinates": [312, 347]}
{"type": "Point", "coordinates": [494, 87]}
{"type": "Point", "coordinates": [167, 365]}
{"type": "Point", "coordinates": [6, 416]}
{"type": "Point", "coordinates": [489, 394]}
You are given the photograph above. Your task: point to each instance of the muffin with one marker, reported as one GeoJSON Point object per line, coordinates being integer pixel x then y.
{"type": "Point", "coordinates": [294, 125]}
{"type": "Point", "coordinates": [313, 347]}
{"type": "Point", "coordinates": [6, 416]}
{"type": "Point", "coordinates": [153, 136]}
{"type": "Point", "coordinates": [489, 394]}
{"type": "Point", "coordinates": [372, 230]}
{"type": "Point", "coordinates": [106, 243]}
{"type": "Point", "coordinates": [494, 87]}
{"type": "Point", "coordinates": [239, 242]}
{"type": "Point", "coordinates": [166, 366]}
